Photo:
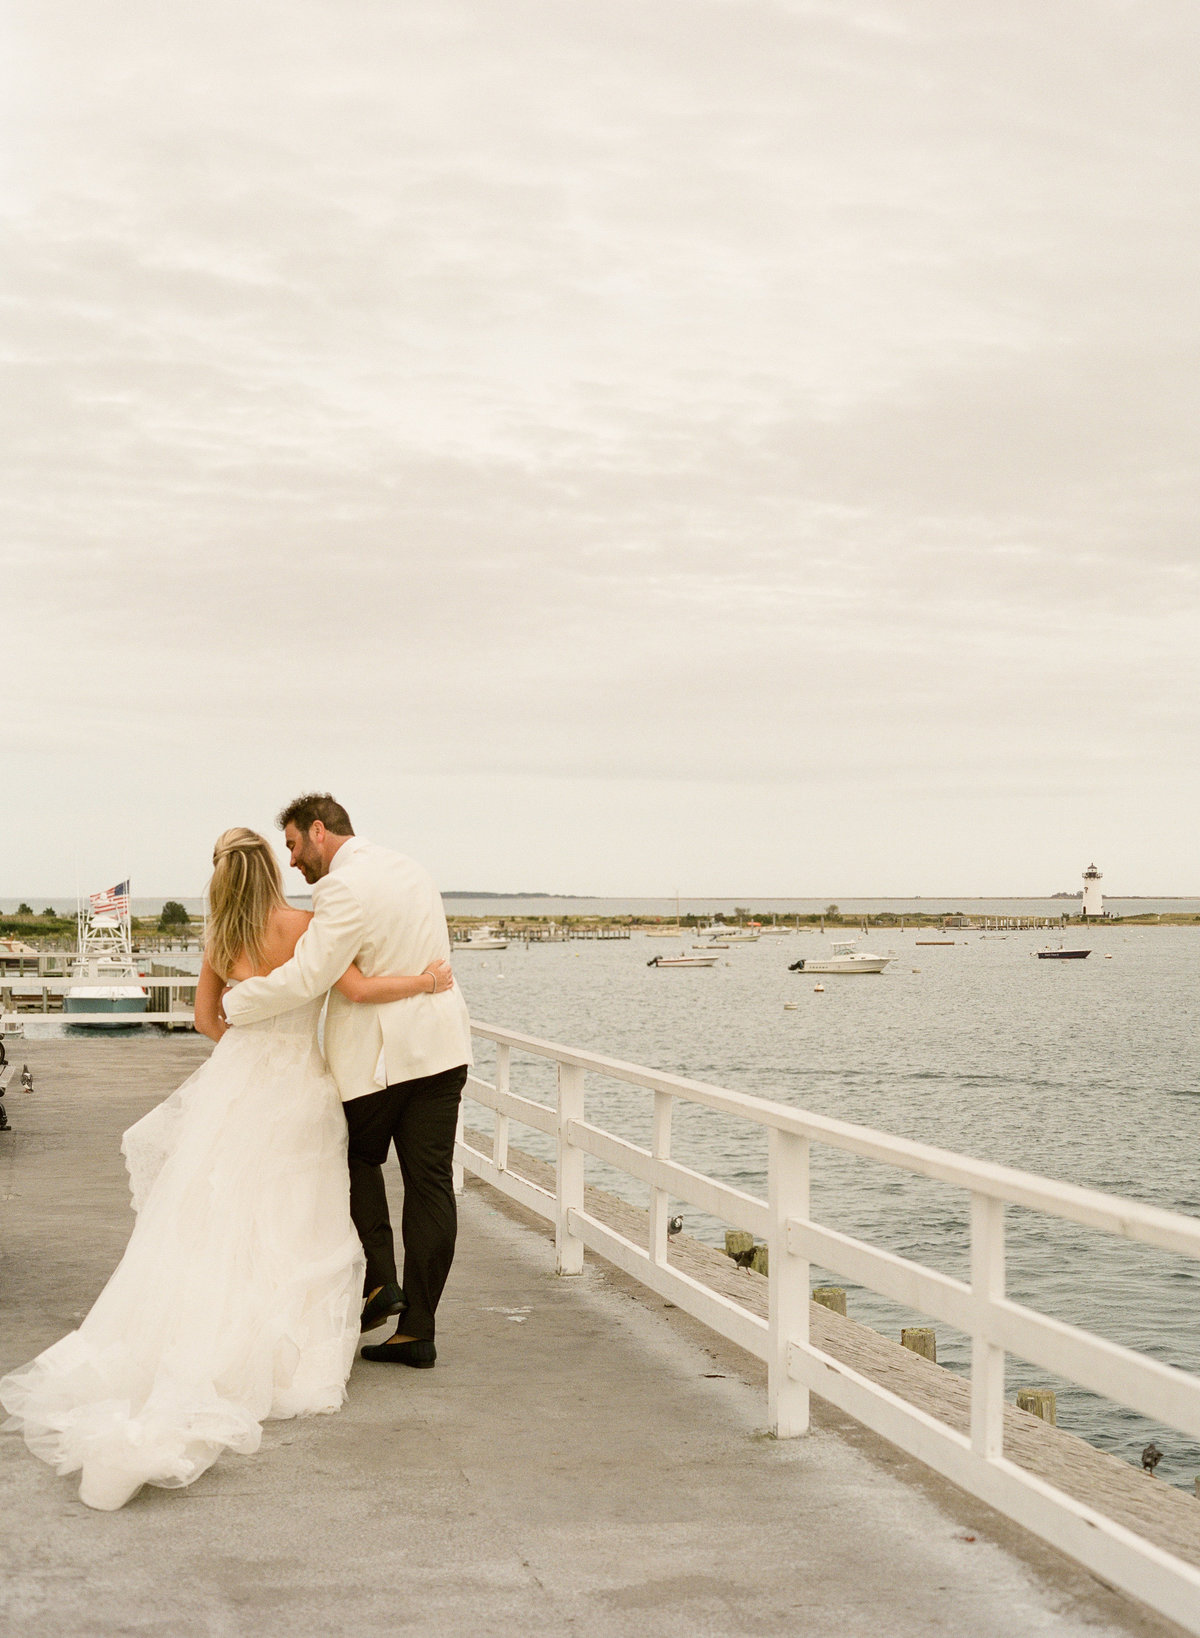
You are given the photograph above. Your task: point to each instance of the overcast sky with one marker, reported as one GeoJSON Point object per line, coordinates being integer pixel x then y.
{"type": "Point", "coordinates": [723, 445]}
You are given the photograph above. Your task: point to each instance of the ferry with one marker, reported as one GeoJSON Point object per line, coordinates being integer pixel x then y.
{"type": "Point", "coordinates": [104, 989]}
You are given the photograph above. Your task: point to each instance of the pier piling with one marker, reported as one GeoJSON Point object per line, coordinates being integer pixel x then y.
{"type": "Point", "coordinates": [832, 1297]}
{"type": "Point", "coordinates": [1039, 1402]}
{"type": "Point", "coordinates": [921, 1339]}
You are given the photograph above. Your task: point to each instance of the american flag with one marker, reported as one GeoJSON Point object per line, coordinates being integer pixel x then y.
{"type": "Point", "coordinates": [114, 901]}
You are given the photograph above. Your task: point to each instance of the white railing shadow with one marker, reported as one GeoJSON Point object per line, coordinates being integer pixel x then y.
{"type": "Point", "coordinates": [795, 1367]}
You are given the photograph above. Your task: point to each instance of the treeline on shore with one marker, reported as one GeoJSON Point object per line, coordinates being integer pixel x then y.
{"type": "Point", "coordinates": [51, 931]}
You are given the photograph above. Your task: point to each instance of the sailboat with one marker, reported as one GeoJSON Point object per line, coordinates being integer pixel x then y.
{"type": "Point", "coordinates": [669, 932]}
{"type": "Point", "coordinates": [682, 959]}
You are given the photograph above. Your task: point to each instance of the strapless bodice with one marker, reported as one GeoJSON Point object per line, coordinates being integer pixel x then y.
{"type": "Point", "coordinates": [299, 1022]}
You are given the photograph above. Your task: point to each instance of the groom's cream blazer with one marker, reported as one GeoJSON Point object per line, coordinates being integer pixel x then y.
{"type": "Point", "coordinates": [383, 911]}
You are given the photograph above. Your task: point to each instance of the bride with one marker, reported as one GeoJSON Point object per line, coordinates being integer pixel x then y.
{"type": "Point", "coordinates": [237, 1298]}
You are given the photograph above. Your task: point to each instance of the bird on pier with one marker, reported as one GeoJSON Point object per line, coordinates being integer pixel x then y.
{"type": "Point", "coordinates": [1151, 1457]}
{"type": "Point", "coordinates": [674, 1225]}
{"type": "Point", "coordinates": [744, 1258]}
{"type": "Point", "coordinates": [26, 1079]}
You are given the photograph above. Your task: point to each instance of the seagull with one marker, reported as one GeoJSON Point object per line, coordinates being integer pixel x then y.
{"type": "Point", "coordinates": [1151, 1457]}
{"type": "Point", "coordinates": [674, 1225]}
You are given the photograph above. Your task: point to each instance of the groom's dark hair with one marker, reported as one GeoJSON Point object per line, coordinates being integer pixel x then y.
{"type": "Point", "coordinates": [314, 805]}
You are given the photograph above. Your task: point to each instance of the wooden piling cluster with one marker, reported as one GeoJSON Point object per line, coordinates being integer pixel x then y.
{"type": "Point", "coordinates": [918, 1339]}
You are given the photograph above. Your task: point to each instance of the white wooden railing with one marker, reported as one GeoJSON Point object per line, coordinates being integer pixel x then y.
{"type": "Point", "coordinates": [995, 1324]}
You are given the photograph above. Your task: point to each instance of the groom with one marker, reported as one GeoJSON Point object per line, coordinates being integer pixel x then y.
{"type": "Point", "coordinates": [400, 1067]}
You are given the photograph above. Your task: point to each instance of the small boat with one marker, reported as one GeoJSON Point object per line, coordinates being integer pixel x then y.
{"type": "Point", "coordinates": [480, 938]}
{"type": "Point", "coordinates": [111, 993]}
{"type": "Point", "coordinates": [711, 944]}
{"type": "Point", "coordinates": [844, 958]}
{"type": "Point", "coordinates": [682, 961]}
{"type": "Point", "coordinates": [1055, 952]}
{"type": "Point", "coordinates": [11, 1028]}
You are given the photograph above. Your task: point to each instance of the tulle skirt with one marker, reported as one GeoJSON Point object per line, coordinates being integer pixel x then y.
{"type": "Point", "coordinates": [237, 1298]}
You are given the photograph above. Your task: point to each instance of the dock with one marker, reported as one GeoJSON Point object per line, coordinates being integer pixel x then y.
{"type": "Point", "coordinates": [536, 930]}
{"type": "Point", "coordinates": [584, 1459]}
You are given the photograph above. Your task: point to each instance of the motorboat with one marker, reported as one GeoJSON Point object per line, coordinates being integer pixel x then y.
{"type": "Point", "coordinates": [682, 961]}
{"type": "Point", "coordinates": [480, 938]}
{"type": "Point", "coordinates": [843, 958]}
{"type": "Point", "coordinates": [104, 989]}
{"type": "Point", "coordinates": [1055, 952]}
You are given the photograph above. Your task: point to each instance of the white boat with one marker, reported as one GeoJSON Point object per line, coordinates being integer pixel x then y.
{"type": "Point", "coordinates": [682, 961]}
{"type": "Point", "coordinates": [730, 936]}
{"type": "Point", "coordinates": [480, 938]}
{"type": "Point", "coordinates": [843, 958]}
{"type": "Point", "coordinates": [104, 990]}
{"type": "Point", "coordinates": [664, 932]}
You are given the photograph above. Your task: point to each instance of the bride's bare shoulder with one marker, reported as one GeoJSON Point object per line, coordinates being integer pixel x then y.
{"type": "Point", "coordinates": [286, 918]}
{"type": "Point", "coordinates": [284, 931]}
{"type": "Point", "coordinates": [285, 927]}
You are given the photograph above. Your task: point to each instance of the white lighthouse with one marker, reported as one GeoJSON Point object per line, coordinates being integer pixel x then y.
{"type": "Point", "coordinates": [1093, 898]}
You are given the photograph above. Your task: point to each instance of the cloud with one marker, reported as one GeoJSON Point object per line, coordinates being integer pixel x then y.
{"type": "Point", "coordinates": [797, 392]}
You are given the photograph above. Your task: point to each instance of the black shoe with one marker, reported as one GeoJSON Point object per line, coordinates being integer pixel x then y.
{"type": "Point", "coordinates": [418, 1352]}
{"type": "Point", "coordinates": [388, 1300]}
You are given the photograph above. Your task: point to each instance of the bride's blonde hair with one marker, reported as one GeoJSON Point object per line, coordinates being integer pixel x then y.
{"type": "Point", "coordinates": [246, 886]}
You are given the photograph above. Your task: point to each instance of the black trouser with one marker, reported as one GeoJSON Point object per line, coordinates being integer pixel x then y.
{"type": "Point", "coordinates": [420, 1118]}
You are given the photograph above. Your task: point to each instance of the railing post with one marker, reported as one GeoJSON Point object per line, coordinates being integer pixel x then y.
{"type": "Point", "coordinates": [987, 1361]}
{"type": "Point", "coordinates": [660, 1200]}
{"type": "Point", "coordinates": [568, 1247]}
{"type": "Point", "coordinates": [500, 1135]}
{"type": "Point", "coordinates": [787, 1283]}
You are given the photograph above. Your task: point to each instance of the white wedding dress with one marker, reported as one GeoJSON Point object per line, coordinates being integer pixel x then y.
{"type": "Point", "coordinates": [238, 1295]}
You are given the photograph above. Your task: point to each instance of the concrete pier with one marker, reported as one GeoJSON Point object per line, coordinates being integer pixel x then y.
{"type": "Point", "coordinates": [583, 1460]}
